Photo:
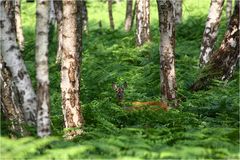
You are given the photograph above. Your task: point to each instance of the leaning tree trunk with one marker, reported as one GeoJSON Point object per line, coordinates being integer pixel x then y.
{"type": "Point", "coordinates": [12, 57]}
{"type": "Point", "coordinates": [142, 22]}
{"type": "Point", "coordinates": [41, 58]}
{"type": "Point", "coordinates": [222, 63]}
{"type": "Point", "coordinates": [129, 14]}
{"type": "Point", "coordinates": [18, 22]}
{"type": "Point", "coordinates": [70, 71]}
{"type": "Point", "coordinates": [178, 11]}
{"type": "Point", "coordinates": [210, 32]}
{"type": "Point", "coordinates": [58, 6]}
{"type": "Point", "coordinates": [84, 14]}
{"type": "Point", "coordinates": [10, 102]}
{"type": "Point", "coordinates": [228, 10]}
{"type": "Point", "coordinates": [167, 49]}
{"type": "Point", "coordinates": [110, 14]}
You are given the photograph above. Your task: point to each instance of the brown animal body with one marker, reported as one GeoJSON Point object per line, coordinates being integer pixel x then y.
{"type": "Point", "coordinates": [137, 105]}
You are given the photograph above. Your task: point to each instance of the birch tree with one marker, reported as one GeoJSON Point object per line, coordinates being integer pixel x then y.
{"type": "Point", "coordinates": [18, 22]}
{"type": "Point", "coordinates": [142, 21]}
{"type": "Point", "coordinates": [52, 12]}
{"type": "Point", "coordinates": [211, 30]}
{"type": "Point", "coordinates": [12, 57]}
{"type": "Point", "coordinates": [41, 58]}
{"type": "Point", "coordinates": [224, 60]}
{"type": "Point", "coordinates": [58, 6]}
{"type": "Point", "coordinates": [10, 102]}
{"type": "Point", "coordinates": [167, 49]}
{"type": "Point", "coordinates": [110, 14]}
{"type": "Point", "coordinates": [84, 13]}
{"type": "Point", "coordinates": [129, 14]}
{"type": "Point", "coordinates": [70, 71]}
{"type": "Point", "coordinates": [178, 10]}
{"type": "Point", "coordinates": [228, 10]}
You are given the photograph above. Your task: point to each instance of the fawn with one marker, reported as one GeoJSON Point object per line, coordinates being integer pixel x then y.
{"type": "Point", "coordinates": [119, 89]}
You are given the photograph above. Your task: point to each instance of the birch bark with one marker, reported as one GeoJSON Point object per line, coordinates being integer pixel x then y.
{"type": "Point", "coordinates": [12, 57]}
{"type": "Point", "coordinates": [41, 58]}
{"type": "Point", "coordinates": [129, 14]}
{"type": "Point", "coordinates": [142, 21]}
{"type": "Point", "coordinates": [211, 30]}
{"type": "Point", "coordinates": [70, 71]}
{"type": "Point", "coordinates": [167, 49]}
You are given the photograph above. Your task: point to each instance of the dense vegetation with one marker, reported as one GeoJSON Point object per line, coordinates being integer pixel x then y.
{"type": "Point", "coordinates": [206, 125]}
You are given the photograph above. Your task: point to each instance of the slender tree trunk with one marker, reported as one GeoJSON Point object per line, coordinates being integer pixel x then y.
{"type": "Point", "coordinates": [228, 10]}
{"type": "Point", "coordinates": [178, 10]}
{"type": "Point", "coordinates": [211, 30]}
{"type": "Point", "coordinates": [110, 14]}
{"type": "Point", "coordinates": [70, 71]}
{"type": "Point", "coordinates": [41, 58]}
{"type": "Point", "coordinates": [84, 13]}
{"type": "Point", "coordinates": [167, 49]}
{"type": "Point", "coordinates": [52, 12]}
{"type": "Point", "coordinates": [223, 61]}
{"type": "Point", "coordinates": [18, 21]}
{"type": "Point", "coordinates": [143, 21]}
{"type": "Point", "coordinates": [10, 102]}
{"type": "Point", "coordinates": [58, 6]}
{"type": "Point", "coordinates": [129, 14]}
{"type": "Point", "coordinates": [134, 13]}
{"type": "Point", "coordinates": [12, 57]}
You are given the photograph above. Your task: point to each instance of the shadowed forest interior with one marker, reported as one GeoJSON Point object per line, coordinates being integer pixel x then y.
{"type": "Point", "coordinates": [205, 125]}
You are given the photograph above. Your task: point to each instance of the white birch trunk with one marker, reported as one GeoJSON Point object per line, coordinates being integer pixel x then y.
{"type": "Point", "coordinates": [211, 30]}
{"type": "Point", "coordinates": [129, 14]}
{"type": "Point", "coordinates": [178, 11]}
{"type": "Point", "coordinates": [10, 102]}
{"type": "Point", "coordinates": [59, 16]}
{"type": "Point", "coordinates": [41, 58]}
{"type": "Point", "coordinates": [167, 49]}
{"type": "Point", "coordinates": [12, 57]}
{"type": "Point", "coordinates": [70, 71]}
{"type": "Point", "coordinates": [142, 21]}
{"type": "Point", "coordinates": [18, 22]}
{"type": "Point", "coordinates": [52, 12]}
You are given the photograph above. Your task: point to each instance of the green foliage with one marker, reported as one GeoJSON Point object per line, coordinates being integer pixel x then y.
{"type": "Point", "coordinates": [204, 127]}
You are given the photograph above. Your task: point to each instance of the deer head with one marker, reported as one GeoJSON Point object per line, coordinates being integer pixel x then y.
{"type": "Point", "coordinates": [119, 89]}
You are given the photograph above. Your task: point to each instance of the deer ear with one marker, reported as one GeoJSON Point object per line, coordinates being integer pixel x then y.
{"type": "Point", "coordinates": [125, 85]}
{"type": "Point", "coordinates": [114, 86]}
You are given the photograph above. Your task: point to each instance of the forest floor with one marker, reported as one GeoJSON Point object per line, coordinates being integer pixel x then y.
{"type": "Point", "coordinates": [205, 126]}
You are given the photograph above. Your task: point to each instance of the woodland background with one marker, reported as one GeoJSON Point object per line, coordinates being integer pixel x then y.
{"type": "Point", "coordinates": [206, 124]}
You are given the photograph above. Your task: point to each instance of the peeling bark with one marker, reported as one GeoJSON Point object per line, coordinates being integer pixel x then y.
{"type": "Point", "coordinates": [129, 14]}
{"type": "Point", "coordinates": [142, 21]}
{"type": "Point", "coordinates": [228, 10]}
{"type": "Point", "coordinates": [178, 11]}
{"type": "Point", "coordinates": [18, 22]}
{"type": "Point", "coordinates": [41, 58]}
{"type": "Point", "coordinates": [10, 102]}
{"type": "Point", "coordinates": [167, 49]}
{"type": "Point", "coordinates": [58, 6]}
{"type": "Point", "coordinates": [12, 57]}
{"type": "Point", "coordinates": [223, 61]}
{"type": "Point", "coordinates": [110, 14]}
{"type": "Point", "coordinates": [211, 30]}
{"type": "Point", "coordinates": [70, 71]}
